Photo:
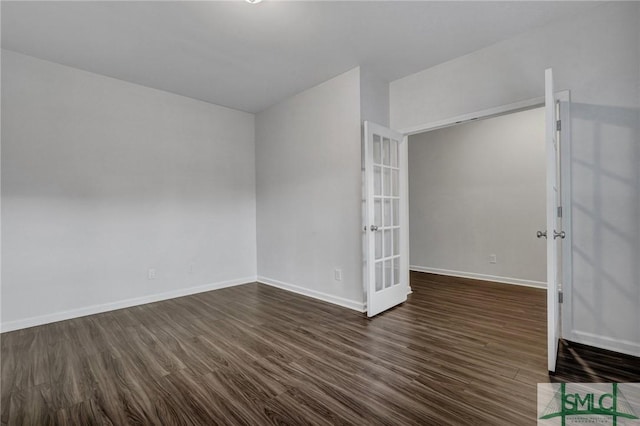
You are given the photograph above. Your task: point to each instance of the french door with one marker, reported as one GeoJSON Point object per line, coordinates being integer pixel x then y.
{"type": "Point", "coordinates": [386, 223]}
{"type": "Point", "coordinates": [554, 232]}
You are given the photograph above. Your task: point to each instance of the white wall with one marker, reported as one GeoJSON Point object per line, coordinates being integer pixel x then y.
{"type": "Point", "coordinates": [103, 179]}
{"type": "Point", "coordinates": [374, 107]}
{"type": "Point", "coordinates": [597, 57]}
{"type": "Point", "coordinates": [374, 97]}
{"type": "Point", "coordinates": [478, 189]}
{"type": "Point", "coordinates": [309, 191]}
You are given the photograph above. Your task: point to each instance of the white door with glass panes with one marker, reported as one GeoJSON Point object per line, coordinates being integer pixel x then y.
{"type": "Point", "coordinates": [387, 280]}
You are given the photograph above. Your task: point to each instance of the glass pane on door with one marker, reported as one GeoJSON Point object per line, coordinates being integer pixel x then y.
{"type": "Point", "coordinates": [396, 241]}
{"type": "Point", "coordinates": [387, 243]}
{"type": "Point", "coordinates": [395, 183]}
{"type": "Point", "coordinates": [377, 213]}
{"type": "Point", "coordinates": [386, 152]}
{"type": "Point", "coordinates": [396, 271]}
{"type": "Point", "coordinates": [386, 181]}
{"type": "Point", "coordinates": [394, 153]}
{"type": "Point", "coordinates": [387, 212]}
{"type": "Point", "coordinates": [387, 274]}
{"type": "Point", "coordinates": [396, 212]}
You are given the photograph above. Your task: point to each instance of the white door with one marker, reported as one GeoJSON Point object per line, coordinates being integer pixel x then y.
{"type": "Point", "coordinates": [554, 231]}
{"type": "Point", "coordinates": [386, 221]}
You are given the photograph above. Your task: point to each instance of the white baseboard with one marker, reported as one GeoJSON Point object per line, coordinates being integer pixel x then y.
{"type": "Point", "coordinates": [482, 277]}
{"type": "Point", "coordinates": [346, 303]}
{"type": "Point", "coordinates": [112, 306]}
{"type": "Point", "coordinates": [603, 342]}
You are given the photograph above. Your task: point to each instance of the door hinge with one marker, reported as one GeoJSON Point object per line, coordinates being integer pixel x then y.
{"type": "Point", "coordinates": [558, 125]}
{"type": "Point", "coordinates": [560, 297]}
{"type": "Point", "coordinates": [559, 211]}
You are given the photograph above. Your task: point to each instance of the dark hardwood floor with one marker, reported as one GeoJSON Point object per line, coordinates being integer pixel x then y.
{"type": "Point", "coordinates": [581, 363]}
{"type": "Point", "coordinates": [457, 352]}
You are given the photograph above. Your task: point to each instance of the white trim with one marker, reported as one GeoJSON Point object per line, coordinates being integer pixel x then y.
{"type": "Point", "coordinates": [482, 277]}
{"type": "Point", "coordinates": [112, 306]}
{"type": "Point", "coordinates": [325, 297]}
{"type": "Point", "coordinates": [405, 259]}
{"type": "Point", "coordinates": [485, 113]}
{"type": "Point", "coordinates": [610, 343]}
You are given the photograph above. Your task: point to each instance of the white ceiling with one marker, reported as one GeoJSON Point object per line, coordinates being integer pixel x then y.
{"type": "Point", "coordinates": [248, 57]}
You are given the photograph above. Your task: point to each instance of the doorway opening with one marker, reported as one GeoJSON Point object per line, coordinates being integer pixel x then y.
{"type": "Point", "coordinates": [477, 197]}
{"type": "Point", "coordinates": [558, 211]}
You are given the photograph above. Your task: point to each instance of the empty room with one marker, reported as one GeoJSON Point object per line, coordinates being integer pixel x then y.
{"type": "Point", "coordinates": [320, 212]}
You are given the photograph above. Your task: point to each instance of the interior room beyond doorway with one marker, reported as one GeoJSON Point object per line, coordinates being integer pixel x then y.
{"type": "Point", "coordinates": [477, 198]}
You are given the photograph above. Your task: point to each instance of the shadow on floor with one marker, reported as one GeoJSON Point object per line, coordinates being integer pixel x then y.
{"type": "Point", "coordinates": [582, 363]}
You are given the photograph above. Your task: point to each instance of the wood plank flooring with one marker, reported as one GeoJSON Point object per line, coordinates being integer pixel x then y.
{"type": "Point", "coordinates": [581, 363]}
{"type": "Point", "coordinates": [457, 352]}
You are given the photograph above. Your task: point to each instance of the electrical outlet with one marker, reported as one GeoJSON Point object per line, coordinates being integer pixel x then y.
{"type": "Point", "coordinates": [337, 274]}
{"type": "Point", "coordinates": [493, 258]}
{"type": "Point", "coordinates": [151, 274]}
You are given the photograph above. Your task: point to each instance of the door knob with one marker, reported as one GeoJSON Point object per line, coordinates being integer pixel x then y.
{"type": "Point", "coordinates": [557, 234]}
{"type": "Point", "coordinates": [541, 234]}
{"type": "Point", "coordinates": [374, 228]}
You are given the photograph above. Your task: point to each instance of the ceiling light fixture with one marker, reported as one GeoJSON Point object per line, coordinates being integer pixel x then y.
{"type": "Point", "coordinates": [253, 1]}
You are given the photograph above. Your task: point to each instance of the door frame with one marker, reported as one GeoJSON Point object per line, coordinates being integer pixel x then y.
{"type": "Point", "coordinates": [564, 96]}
